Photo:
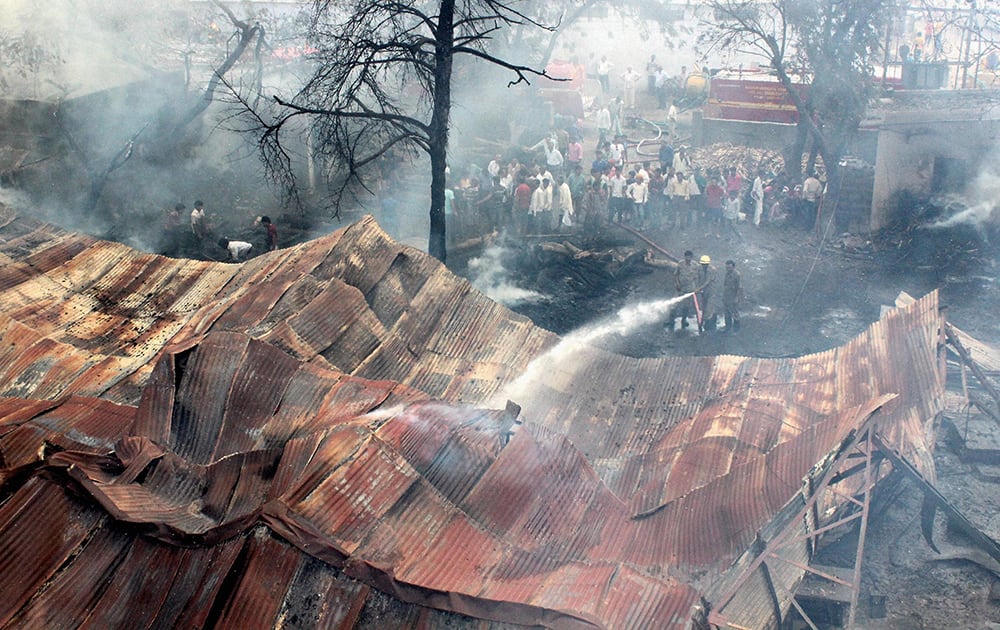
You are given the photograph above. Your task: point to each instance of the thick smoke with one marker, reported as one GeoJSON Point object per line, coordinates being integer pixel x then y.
{"type": "Point", "coordinates": [489, 275]}
{"type": "Point", "coordinates": [979, 205]}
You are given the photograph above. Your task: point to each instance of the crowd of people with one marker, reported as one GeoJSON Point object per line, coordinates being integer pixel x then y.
{"type": "Point", "coordinates": [547, 188]}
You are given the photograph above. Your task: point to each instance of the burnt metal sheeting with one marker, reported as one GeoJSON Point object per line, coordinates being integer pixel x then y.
{"type": "Point", "coordinates": [430, 502]}
{"type": "Point", "coordinates": [320, 392]}
{"type": "Point", "coordinates": [91, 316]}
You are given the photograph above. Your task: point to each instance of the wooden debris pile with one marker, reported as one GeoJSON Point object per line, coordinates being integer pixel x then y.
{"type": "Point", "coordinates": [747, 160]}
{"type": "Point", "coordinates": [578, 281]}
{"type": "Point", "coordinates": [566, 266]}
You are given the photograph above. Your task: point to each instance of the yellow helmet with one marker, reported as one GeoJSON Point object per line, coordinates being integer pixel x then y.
{"type": "Point", "coordinates": [705, 260]}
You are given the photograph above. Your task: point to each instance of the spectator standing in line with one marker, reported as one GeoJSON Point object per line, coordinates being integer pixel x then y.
{"type": "Point", "coordinates": [757, 194]}
{"type": "Point", "coordinates": [630, 80]}
{"type": "Point", "coordinates": [604, 74]}
{"type": "Point", "coordinates": [651, 69]}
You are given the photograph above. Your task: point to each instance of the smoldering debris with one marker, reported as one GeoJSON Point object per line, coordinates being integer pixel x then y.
{"type": "Point", "coordinates": [921, 239]}
{"type": "Point", "coordinates": [570, 275]}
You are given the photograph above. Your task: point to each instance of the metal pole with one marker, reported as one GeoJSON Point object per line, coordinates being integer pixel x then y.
{"type": "Point", "coordinates": [885, 56]}
{"type": "Point", "coordinates": [968, 42]}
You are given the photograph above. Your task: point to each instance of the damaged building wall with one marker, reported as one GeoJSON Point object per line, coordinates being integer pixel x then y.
{"type": "Point", "coordinates": [929, 152]}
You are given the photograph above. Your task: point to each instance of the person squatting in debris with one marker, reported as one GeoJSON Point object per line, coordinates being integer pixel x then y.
{"type": "Point", "coordinates": [732, 296]}
{"type": "Point", "coordinates": [238, 250]}
{"type": "Point", "coordinates": [685, 281]}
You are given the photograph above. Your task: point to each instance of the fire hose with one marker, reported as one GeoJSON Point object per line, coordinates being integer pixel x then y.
{"type": "Point", "coordinates": [649, 241]}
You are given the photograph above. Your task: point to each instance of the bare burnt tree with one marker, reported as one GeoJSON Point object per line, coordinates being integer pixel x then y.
{"type": "Point", "coordinates": [828, 45]}
{"type": "Point", "coordinates": [381, 85]}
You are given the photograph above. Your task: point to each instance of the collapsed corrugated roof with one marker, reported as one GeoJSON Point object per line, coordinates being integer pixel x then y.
{"type": "Point", "coordinates": [317, 402]}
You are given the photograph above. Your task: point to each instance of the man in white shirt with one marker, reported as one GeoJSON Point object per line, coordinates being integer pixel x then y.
{"type": "Point", "coordinates": [198, 220]}
{"type": "Point", "coordinates": [812, 190]}
{"type": "Point", "coordinates": [541, 205]}
{"type": "Point", "coordinates": [616, 206]}
{"type": "Point", "coordinates": [638, 194]}
{"type": "Point", "coordinates": [553, 157]}
{"type": "Point", "coordinates": [757, 194]}
{"type": "Point", "coordinates": [616, 152]}
{"type": "Point", "coordinates": [603, 122]}
{"type": "Point", "coordinates": [604, 74]}
{"type": "Point", "coordinates": [630, 79]}
{"type": "Point", "coordinates": [238, 250]}
{"type": "Point", "coordinates": [565, 213]}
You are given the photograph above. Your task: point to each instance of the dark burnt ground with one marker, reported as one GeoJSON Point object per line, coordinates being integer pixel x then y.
{"type": "Point", "coordinates": [803, 294]}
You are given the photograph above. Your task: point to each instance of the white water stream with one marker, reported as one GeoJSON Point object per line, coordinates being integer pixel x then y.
{"type": "Point", "coordinates": [564, 353]}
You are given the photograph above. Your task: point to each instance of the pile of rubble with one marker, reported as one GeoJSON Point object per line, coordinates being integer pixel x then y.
{"type": "Point", "coordinates": [922, 239]}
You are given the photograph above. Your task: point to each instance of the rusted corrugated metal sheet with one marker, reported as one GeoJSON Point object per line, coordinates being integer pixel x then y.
{"type": "Point", "coordinates": [379, 314]}
{"type": "Point", "coordinates": [628, 479]}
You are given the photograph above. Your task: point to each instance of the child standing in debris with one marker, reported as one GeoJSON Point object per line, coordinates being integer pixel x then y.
{"type": "Point", "coordinates": [272, 232]}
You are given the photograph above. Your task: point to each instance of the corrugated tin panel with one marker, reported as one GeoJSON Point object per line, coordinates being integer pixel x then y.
{"type": "Point", "coordinates": [69, 598]}
{"type": "Point", "coordinates": [258, 388]}
{"type": "Point", "coordinates": [85, 424]}
{"type": "Point", "coordinates": [201, 402]}
{"type": "Point", "coordinates": [265, 579]}
{"type": "Point", "coordinates": [40, 527]}
{"type": "Point", "coordinates": [393, 294]}
{"type": "Point", "coordinates": [196, 585]}
{"type": "Point", "coordinates": [321, 598]}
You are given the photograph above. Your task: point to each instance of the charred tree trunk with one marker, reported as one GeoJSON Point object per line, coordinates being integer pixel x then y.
{"type": "Point", "coordinates": [793, 154]}
{"type": "Point", "coordinates": [438, 141]}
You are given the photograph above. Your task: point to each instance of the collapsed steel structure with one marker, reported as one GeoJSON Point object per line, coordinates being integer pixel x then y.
{"type": "Point", "coordinates": [320, 435]}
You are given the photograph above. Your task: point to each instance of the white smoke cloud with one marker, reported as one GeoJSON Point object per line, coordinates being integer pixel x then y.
{"type": "Point", "coordinates": [979, 205]}
{"type": "Point", "coordinates": [489, 275]}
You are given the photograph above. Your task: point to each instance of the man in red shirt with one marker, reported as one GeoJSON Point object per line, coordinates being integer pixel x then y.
{"type": "Point", "coordinates": [272, 233]}
{"type": "Point", "coordinates": [522, 203]}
